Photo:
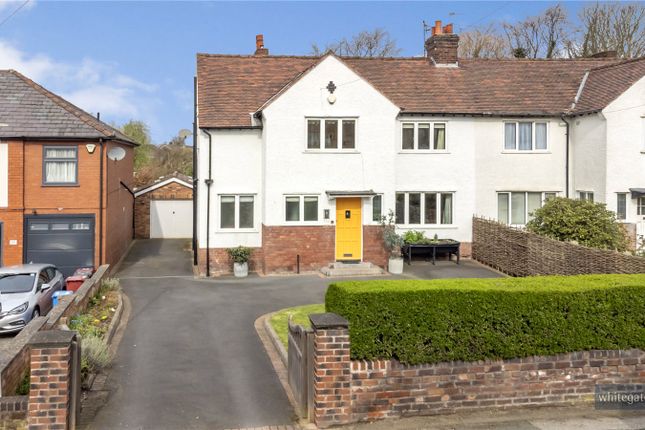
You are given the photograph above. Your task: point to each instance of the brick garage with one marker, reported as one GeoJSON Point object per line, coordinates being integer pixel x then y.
{"type": "Point", "coordinates": [175, 187]}
{"type": "Point", "coordinates": [350, 391]}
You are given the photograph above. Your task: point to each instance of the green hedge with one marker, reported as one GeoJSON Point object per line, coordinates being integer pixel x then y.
{"type": "Point", "coordinates": [473, 319]}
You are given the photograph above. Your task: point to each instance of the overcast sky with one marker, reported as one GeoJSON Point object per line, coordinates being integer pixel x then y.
{"type": "Point", "coordinates": [137, 59]}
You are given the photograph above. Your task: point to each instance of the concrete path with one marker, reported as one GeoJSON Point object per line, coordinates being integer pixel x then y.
{"type": "Point", "coordinates": [190, 357]}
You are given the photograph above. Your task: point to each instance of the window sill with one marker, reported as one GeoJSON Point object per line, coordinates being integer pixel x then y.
{"type": "Point", "coordinates": [432, 226]}
{"type": "Point", "coordinates": [237, 230]}
{"type": "Point", "coordinates": [303, 224]}
{"type": "Point", "coordinates": [526, 152]}
{"type": "Point", "coordinates": [61, 185]}
{"type": "Point", "coordinates": [331, 151]}
{"type": "Point", "coordinates": [423, 151]}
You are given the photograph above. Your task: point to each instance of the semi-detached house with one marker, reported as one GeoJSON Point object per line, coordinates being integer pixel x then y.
{"type": "Point", "coordinates": [299, 157]}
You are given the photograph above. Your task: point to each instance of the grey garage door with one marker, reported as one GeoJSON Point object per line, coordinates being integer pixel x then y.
{"type": "Point", "coordinates": [65, 241]}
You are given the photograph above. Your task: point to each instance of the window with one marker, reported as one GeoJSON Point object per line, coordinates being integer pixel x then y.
{"type": "Point", "coordinates": [517, 208]}
{"type": "Point", "coordinates": [423, 136]}
{"type": "Point", "coordinates": [641, 206]}
{"type": "Point", "coordinates": [301, 208]}
{"type": "Point", "coordinates": [333, 133]}
{"type": "Point", "coordinates": [237, 211]}
{"type": "Point", "coordinates": [60, 165]}
{"type": "Point", "coordinates": [525, 136]}
{"type": "Point", "coordinates": [429, 208]}
{"type": "Point", "coordinates": [621, 206]}
{"type": "Point", "coordinates": [377, 208]}
{"type": "Point", "coordinates": [585, 195]}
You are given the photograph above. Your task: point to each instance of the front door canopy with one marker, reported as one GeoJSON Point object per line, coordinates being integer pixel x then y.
{"type": "Point", "coordinates": [337, 194]}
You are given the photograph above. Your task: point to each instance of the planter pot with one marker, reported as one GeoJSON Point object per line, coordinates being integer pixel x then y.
{"type": "Point", "coordinates": [241, 270]}
{"type": "Point", "coordinates": [395, 266]}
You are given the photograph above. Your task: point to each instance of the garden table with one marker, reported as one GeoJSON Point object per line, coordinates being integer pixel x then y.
{"type": "Point", "coordinates": [451, 248]}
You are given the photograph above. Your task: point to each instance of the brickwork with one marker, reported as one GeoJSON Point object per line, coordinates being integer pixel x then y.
{"type": "Point", "coordinates": [171, 191]}
{"type": "Point", "coordinates": [282, 245]}
{"type": "Point", "coordinates": [221, 263]}
{"type": "Point", "coordinates": [13, 408]}
{"type": "Point", "coordinates": [442, 48]}
{"type": "Point", "coordinates": [373, 249]}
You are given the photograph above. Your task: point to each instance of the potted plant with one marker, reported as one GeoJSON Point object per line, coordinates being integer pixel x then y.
{"type": "Point", "coordinates": [393, 243]}
{"type": "Point", "coordinates": [240, 257]}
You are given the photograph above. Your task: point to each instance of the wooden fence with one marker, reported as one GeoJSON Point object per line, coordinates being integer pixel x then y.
{"type": "Point", "coordinates": [300, 367]}
{"type": "Point", "coordinates": [521, 253]}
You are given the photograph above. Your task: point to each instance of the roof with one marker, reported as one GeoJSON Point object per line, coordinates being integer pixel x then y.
{"type": "Point", "coordinates": [233, 87]}
{"type": "Point", "coordinates": [29, 110]}
{"type": "Point", "coordinates": [162, 181]}
{"type": "Point", "coordinates": [604, 84]}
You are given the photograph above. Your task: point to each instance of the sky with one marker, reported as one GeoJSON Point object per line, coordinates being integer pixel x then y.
{"type": "Point", "coordinates": [136, 60]}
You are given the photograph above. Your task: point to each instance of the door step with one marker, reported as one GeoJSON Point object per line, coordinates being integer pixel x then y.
{"type": "Point", "coordinates": [351, 269]}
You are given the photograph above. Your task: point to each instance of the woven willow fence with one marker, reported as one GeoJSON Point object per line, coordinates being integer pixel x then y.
{"type": "Point", "coordinates": [520, 253]}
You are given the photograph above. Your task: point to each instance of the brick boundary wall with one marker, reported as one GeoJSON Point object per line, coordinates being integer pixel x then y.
{"type": "Point", "coordinates": [521, 253]}
{"type": "Point", "coordinates": [387, 389]}
{"type": "Point", "coordinates": [13, 408]}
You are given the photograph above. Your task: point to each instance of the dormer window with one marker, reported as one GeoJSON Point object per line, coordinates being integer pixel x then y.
{"type": "Point", "coordinates": [331, 134]}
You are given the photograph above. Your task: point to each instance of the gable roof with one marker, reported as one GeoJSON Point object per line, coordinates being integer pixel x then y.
{"type": "Point", "coordinates": [162, 181]}
{"type": "Point", "coordinates": [605, 83]}
{"type": "Point", "coordinates": [232, 87]}
{"type": "Point", "coordinates": [31, 111]}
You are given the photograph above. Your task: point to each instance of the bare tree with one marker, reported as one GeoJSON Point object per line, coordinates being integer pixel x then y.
{"type": "Point", "coordinates": [616, 27]}
{"type": "Point", "coordinates": [541, 36]}
{"type": "Point", "coordinates": [375, 43]}
{"type": "Point", "coordinates": [483, 42]}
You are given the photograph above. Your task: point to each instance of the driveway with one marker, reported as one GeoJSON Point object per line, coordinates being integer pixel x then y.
{"type": "Point", "coordinates": [190, 357]}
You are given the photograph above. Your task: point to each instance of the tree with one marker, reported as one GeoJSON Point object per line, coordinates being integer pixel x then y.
{"type": "Point", "coordinates": [175, 156]}
{"type": "Point", "coordinates": [587, 223]}
{"type": "Point", "coordinates": [140, 133]}
{"type": "Point", "coordinates": [483, 42]}
{"type": "Point", "coordinates": [542, 36]}
{"type": "Point", "coordinates": [375, 43]}
{"type": "Point", "coordinates": [616, 27]}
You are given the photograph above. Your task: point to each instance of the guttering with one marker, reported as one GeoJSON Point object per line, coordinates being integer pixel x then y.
{"type": "Point", "coordinates": [566, 162]}
{"type": "Point", "coordinates": [195, 180]}
{"type": "Point", "coordinates": [208, 182]}
{"type": "Point", "coordinates": [69, 139]}
{"type": "Point", "coordinates": [404, 113]}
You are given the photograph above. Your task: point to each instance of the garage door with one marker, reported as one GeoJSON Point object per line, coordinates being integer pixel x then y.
{"type": "Point", "coordinates": [171, 219]}
{"type": "Point", "coordinates": [67, 242]}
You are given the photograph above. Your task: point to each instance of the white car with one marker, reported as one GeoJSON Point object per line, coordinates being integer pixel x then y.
{"type": "Point", "coordinates": [26, 293]}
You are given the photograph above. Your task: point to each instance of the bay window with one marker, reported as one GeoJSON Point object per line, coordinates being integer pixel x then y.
{"type": "Point", "coordinates": [525, 136]}
{"type": "Point", "coordinates": [423, 136]}
{"type": "Point", "coordinates": [331, 133]}
{"type": "Point", "coordinates": [237, 211]}
{"type": "Point", "coordinates": [517, 207]}
{"type": "Point", "coordinates": [424, 208]}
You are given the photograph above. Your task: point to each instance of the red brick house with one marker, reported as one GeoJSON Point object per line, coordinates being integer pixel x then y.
{"type": "Point", "coordinates": [65, 179]}
{"type": "Point", "coordinates": [163, 209]}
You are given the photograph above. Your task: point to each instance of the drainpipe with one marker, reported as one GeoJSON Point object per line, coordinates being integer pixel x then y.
{"type": "Point", "coordinates": [566, 167]}
{"type": "Point", "coordinates": [102, 144]}
{"type": "Point", "coordinates": [208, 182]}
{"type": "Point", "coordinates": [195, 180]}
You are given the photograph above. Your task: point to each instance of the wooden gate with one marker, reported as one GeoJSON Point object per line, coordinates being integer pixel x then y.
{"type": "Point", "coordinates": [300, 367]}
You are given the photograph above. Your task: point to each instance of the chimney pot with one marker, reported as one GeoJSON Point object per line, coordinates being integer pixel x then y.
{"type": "Point", "coordinates": [260, 50]}
{"type": "Point", "coordinates": [437, 27]}
{"type": "Point", "coordinates": [448, 29]}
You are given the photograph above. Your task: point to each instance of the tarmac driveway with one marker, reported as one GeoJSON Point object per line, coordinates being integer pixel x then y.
{"type": "Point", "coordinates": [190, 357]}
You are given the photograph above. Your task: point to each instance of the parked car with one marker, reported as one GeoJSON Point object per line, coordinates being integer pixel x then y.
{"type": "Point", "coordinates": [26, 293]}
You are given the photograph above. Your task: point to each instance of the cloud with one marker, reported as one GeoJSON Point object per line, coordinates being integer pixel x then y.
{"type": "Point", "coordinates": [93, 85]}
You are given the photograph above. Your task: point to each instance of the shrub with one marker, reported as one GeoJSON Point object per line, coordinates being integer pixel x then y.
{"type": "Point", "coordinates": [474, 319]}
{"type": "Point", "coordinates": [241, 254]}
{"type": "Point", "coordinates": [414, 236]}
{"type": "Point", "coordinates": [587, 223]}
{"type": "Point", "coordinates": [95, 355]}
{"type": "Point", "coordinates": [391, 239]}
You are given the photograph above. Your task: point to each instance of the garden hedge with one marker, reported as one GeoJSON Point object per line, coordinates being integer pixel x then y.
{"type": "Point", "coordinates": [474, 319]}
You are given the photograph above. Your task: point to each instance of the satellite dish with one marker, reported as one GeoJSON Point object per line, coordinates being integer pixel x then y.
{"type": "Point", "coordinates": [116, 154]}
{"type": "Point", "coordinates": [184, 133]}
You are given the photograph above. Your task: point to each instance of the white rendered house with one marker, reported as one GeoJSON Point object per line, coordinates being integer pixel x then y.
{"type": "Point", "coordinates": [299, 157]}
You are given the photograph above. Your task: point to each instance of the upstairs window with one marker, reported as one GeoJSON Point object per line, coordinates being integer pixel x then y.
{"type": "Point", "coordinates": [60, 165]}
{"type": "Point", "coordinates": [331, 134]}
{"type": "Point", "coordinates": [423, 136]}
{"type": "Point", "coordinates": [525, 136]}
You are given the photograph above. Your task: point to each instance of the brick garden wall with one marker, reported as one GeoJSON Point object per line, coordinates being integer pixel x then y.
{"type": "Point", "coordinates": [521, 253]}
{"type": "Point", "coordinates": [171, 191]}
{"type": "Point", "coordinates": [282, 244]}
{"type": "Point", "coordinates": [221, 263]}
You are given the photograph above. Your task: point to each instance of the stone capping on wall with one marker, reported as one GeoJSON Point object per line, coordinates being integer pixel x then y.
{"type": "Point", "coordinates": [348, 390]}
{"type": "Point", "coordinates": [14, 354]}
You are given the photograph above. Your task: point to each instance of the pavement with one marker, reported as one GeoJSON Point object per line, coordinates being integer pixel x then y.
{"type": "Point", "coordinates": [190, 357]}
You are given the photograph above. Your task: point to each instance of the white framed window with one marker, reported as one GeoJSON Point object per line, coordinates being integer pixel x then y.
{"type": "Point", "coordinates": [60, 165]}
{"type": "Point", "coordinates": [301, 208]}
{"type": "Point", "coordinates": [621, 206]}
{"type": "Point", "coordinates": [526, 136]}
{"type": "Point", "coordinates": [424, 208]}
{"type": "Point", "coordinates": [641, 206]}
{"type": "Point", "coordinates": [517, 207]}
{"type": "Point", "coordinates": [423, 136]}
{"type": "Point", "coordinates": [377, 208]}
{"type": "Point", "coordinates": [585, 195]}
{"type": "Point", "coordinates": [335, 134]}
{"type": "Point", "coordinates": [237, 211]}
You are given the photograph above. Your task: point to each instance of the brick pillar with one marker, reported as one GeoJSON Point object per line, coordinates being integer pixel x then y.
{"type": "Point", "coordinates": [332, 372]}
{"type": "Point", "coordinates": [50, 394]}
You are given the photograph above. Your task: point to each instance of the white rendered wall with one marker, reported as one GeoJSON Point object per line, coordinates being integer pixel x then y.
{"type": "Point", "coordinates": [626, 146]}
{"type": "Point", "coordinates": [4, 175]}
{"type": "Point", "coordinates": [589, 157]}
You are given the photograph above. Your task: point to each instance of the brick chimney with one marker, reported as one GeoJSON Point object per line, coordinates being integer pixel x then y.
{"type": "Point", "coordinates": [442, 46]}
{"type": "Point", "coordinates": [260, 50]}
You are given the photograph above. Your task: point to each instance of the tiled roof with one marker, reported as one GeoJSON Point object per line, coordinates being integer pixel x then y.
{"type": "Point", "coordinates": [175, 175]}
{"type": "Point", "coordinates": [604, 84]}
{"type": "Point", "coordinates": [231, 87]}
{"type": "Point", "coordinates": [29, 110]}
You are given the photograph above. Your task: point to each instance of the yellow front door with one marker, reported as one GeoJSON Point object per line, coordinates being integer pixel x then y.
{"type": "Point", "coordinates": [349, 226]}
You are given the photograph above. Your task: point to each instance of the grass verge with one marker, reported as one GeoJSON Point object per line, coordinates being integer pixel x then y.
{"type": "Point", "coordinates": [299, 315]}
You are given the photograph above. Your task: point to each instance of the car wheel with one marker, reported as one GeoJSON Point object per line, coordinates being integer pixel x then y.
{"type": "Point", "coordinates": [35, 314]}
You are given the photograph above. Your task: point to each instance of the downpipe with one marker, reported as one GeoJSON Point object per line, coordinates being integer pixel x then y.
{"type": "Point", "coordinates": [208, 183]}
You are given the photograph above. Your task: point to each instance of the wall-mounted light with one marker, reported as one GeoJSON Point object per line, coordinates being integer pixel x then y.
{"type": "Point", "coordinates": [90, 147]}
